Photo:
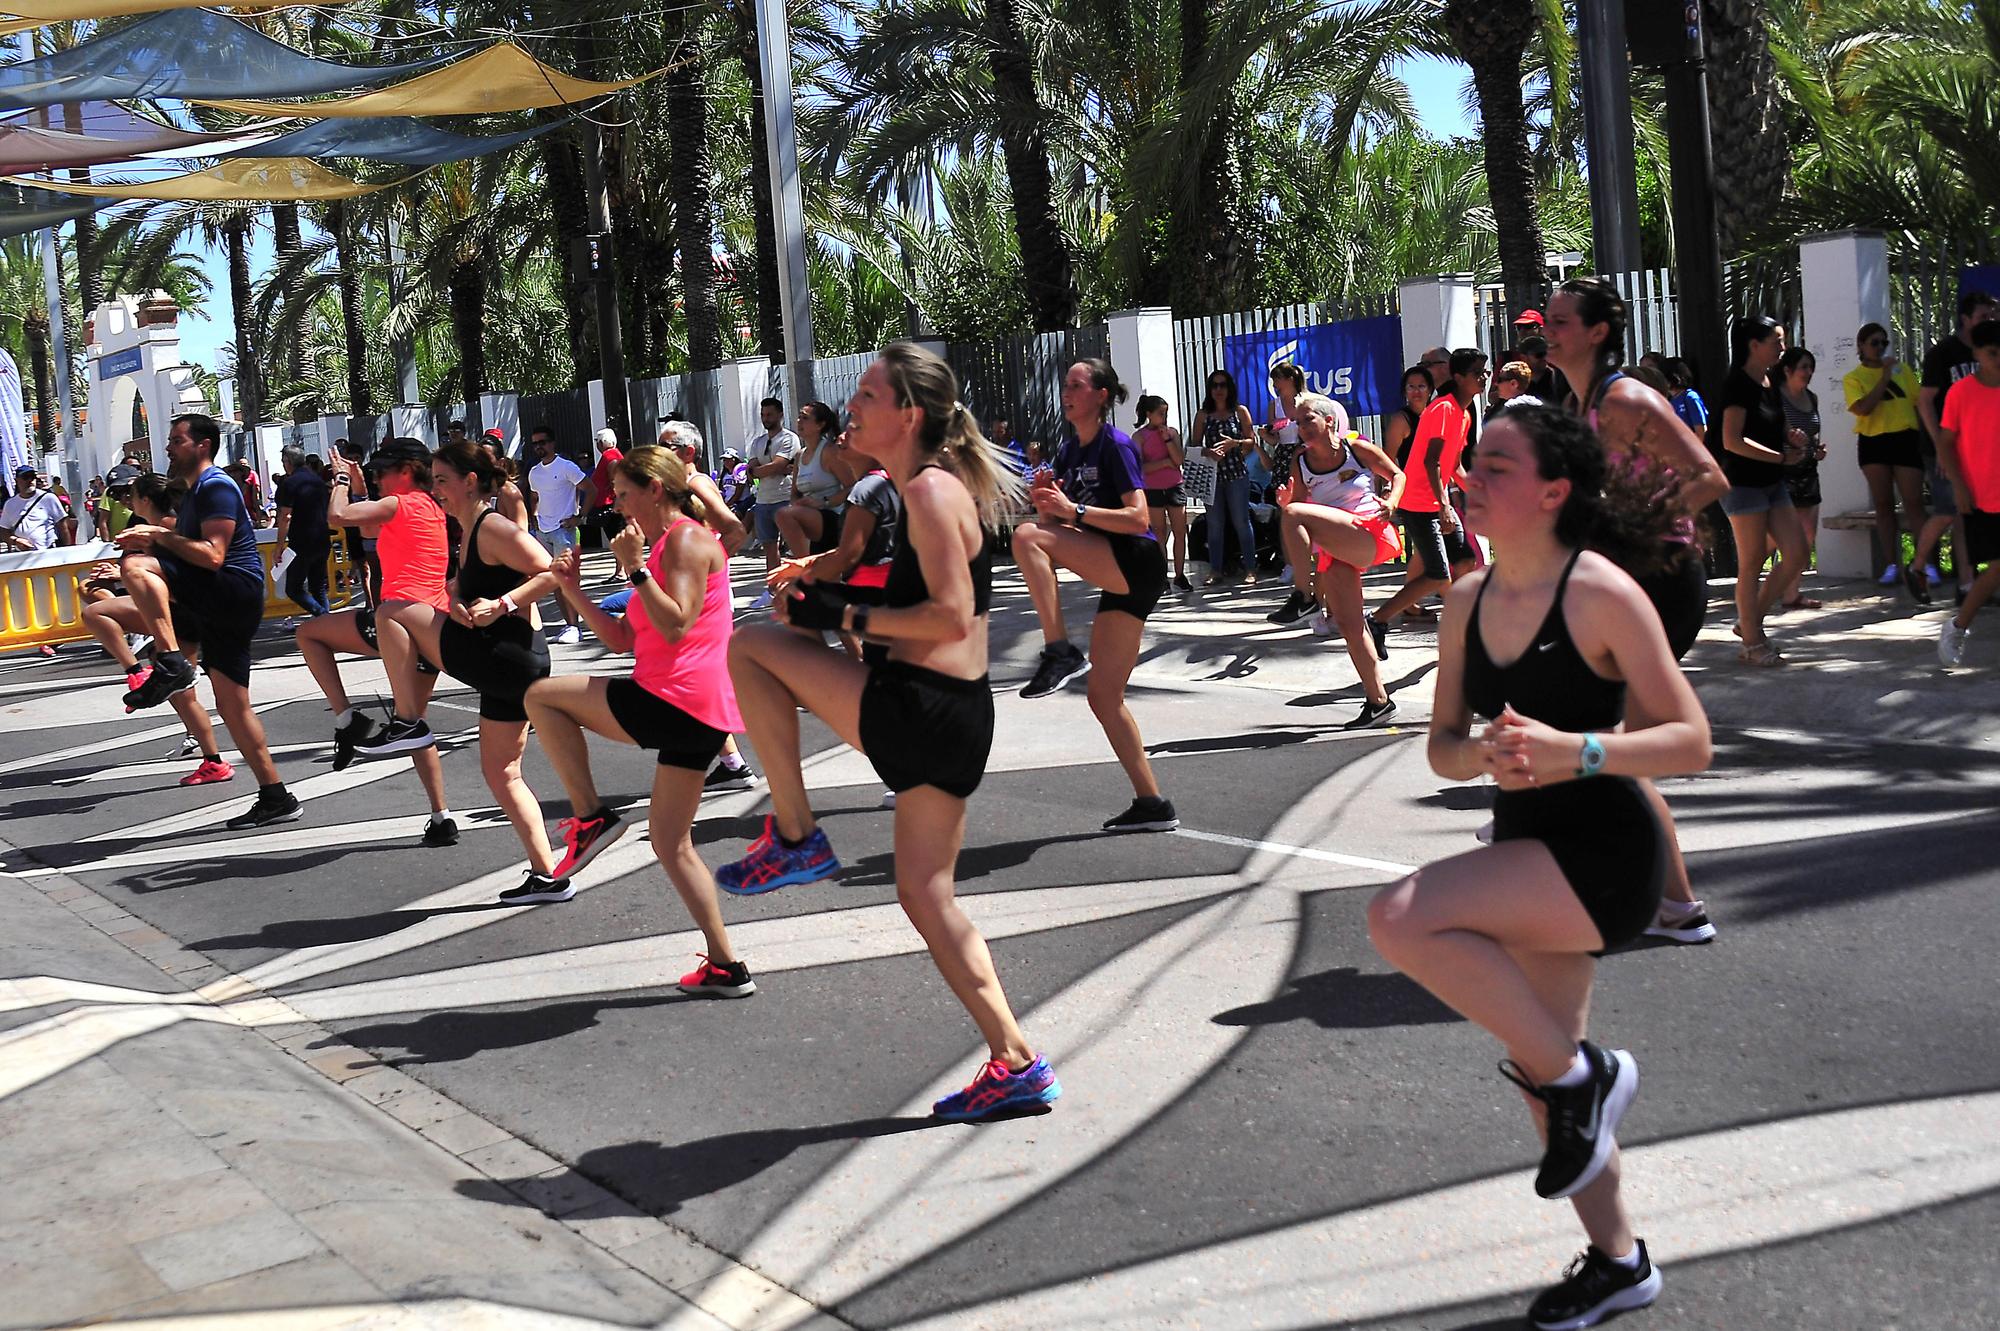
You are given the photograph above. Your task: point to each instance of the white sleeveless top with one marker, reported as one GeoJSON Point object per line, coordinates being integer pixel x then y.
{"type": "Point", "coordinates": [1349, 486]}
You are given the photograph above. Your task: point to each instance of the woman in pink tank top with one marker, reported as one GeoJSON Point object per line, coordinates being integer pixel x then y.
{"type": "Point", "coordinates": [679, 701]}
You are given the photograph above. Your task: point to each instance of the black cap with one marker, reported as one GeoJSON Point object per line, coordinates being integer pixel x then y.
{"type": "Point", "coordinates": [120, 476]}
{"type": "Point", "coordinates": [396, 452]}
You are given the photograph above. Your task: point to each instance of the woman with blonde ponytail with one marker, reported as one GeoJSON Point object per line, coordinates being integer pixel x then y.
{"type": "Point", "coordinates": [920, 709]}
{"type": "Point", "coordinates": [1092, 519]}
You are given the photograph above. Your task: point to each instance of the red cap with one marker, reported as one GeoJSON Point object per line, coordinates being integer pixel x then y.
{"type": "Point", "coordinates": [494, 434]}
{"type": "Point", "coordinates": [1529, 317]}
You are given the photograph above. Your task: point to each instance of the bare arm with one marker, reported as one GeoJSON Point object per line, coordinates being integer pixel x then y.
{"type": "Point", "coordinates": [284, 523]}
{"type": "Point", "coordinates": [205, 552]}
{"type": "Point", "coordinates": [1434, 468]}
{"type": "Point", "coordinates": [1452, 751]}
{"type": "Point", "coordinates": [855, 531]}
{"type": "Point", "coordinates": [1176, 447]}
{"type": "Point", "coordinates": [1929, 402]}
{"type": "Point", "coordinates": [1379, 462]}
{"type": "Point", "coordinates": [936, 512]}
{"type": "Point", "coordinates": [717, 513]}
{"type": "Point", "coordinates": [343, 508]}
{"type": "Point", "coordinates": [1635, 415]}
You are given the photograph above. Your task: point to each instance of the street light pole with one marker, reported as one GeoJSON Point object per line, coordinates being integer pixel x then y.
{"type": "Point", "coordinates": [781, 139]}
{"type": "Point", "coordinates": [1607, 126]}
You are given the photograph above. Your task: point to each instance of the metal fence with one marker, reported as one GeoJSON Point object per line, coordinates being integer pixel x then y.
{"type": "Point", "coordinates": [1924, 281]}
{"type": "Point", "coordinates": [565, 412]}
{"type": "Point", "coordinates": [1198, 347]}
{"type": "Point", "coordinates": [1649, 294]}
{"type": "Point", "coordinates": [1020, 378]}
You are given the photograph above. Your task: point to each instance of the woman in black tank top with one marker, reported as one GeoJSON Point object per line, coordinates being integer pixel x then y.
{"type": "Point", "coordinates": [1400, 426]}
{"type": "Point", "coordinates": [1544, 645]}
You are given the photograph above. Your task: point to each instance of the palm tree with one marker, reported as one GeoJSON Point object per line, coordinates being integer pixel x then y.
{"type": "Point", "coordinates": [693, 187]}
{"type": "Point", "coordinates": [1746, 118]}
{"type": "Point", "coordinates": [1491, 37]}
{"type": "Point", "coordinates": [24, 325]}
{"type": "Point", "coordinates": [151, 234]}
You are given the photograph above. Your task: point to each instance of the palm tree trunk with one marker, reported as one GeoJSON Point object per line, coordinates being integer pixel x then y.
{"type": "Point", "coordinates": [563, 164]}
{"type": "Point", "coordinates": [288, 241]}
{"type": "Point", "coordinates": [1491, 36]}
{"type": "Point", "coordinates": [770, 315]}
{"type": "Point", "coordinates": [36, 326]}
{"type": "Point", "coordinates": [1045, 260]}
{"type": "Point", "coordinates": [1753, 158]}
{"type": "Point", "coordinates": [89, 266]}
{"type": "Point", "coordinates": [468, 326]}
{"type": "Point", "coordinates": [360, 393]}
{"type": "Point", "coordinates": [249, 371]}
{"type": "Point", "coordinates": [694, 203]}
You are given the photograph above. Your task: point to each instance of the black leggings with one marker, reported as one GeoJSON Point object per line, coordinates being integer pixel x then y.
{"type": "Point", "coordinates": [500, 660]}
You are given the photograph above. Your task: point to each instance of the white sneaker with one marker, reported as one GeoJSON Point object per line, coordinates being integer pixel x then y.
{"type": "Point", "coordinates": [569, 635]}
{"type": "Point", "coordinates": [1890, 576]}
{"type": "Point", "coordinates": [289, 624]}
{"type": "Point", "coordinates": [763, 602]}
{"type": "Point", "coordinates": [888, 799]}
{"type": "Point", "coordinates": [138, 643]}
{"type": "Point", "coordinates": [1322, 627]}
{"type": "Point", "coordinates": [1951, 643]}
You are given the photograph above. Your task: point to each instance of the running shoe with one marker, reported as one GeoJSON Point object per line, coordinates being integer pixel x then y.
{"type": "Point", "coordinates": [1951, 643]}
{"type": "Point", "coordinates": [569, 635]}
{"type": "Point", "coordinates": [723, 777]}
{"type": "Point", "coordinates": [1061, 662]}
{"type": "Point", "coordinates": [1594, 1287]}
{"type": "Point", "coordinates": [1372, 714]}
{"type": "Point", "coordinates": [211, 771]}
{"type": "Point", "coordinates": [138, 643]}
{"type": "Point", "coordinates": [763, 601]}
{"type": "Point", "coordinates": [1181, 583]}
{"type": "Point", "coordinates": [1322, 627]}
{"type": "Point", "coordinates": [888, 799]}
{"type": "Point", "coordinates": [1484, 836]}
{"type": "Point", "coordinates": [771, 864]}
{"type": "Point", "coordinates": [289, 624]}
{"type": "Point", "coordinates": [584, 839]}
{"type": "Point", "coordinates": [189, 747]}
{"type": "Point", "coordinates": [1888, 579]}
{"type": "Point", "coordinates": [282, 808]}
{"type": "Point", "coordinates": [135, 679]}
{"type": "Point", "coordinates": [996, 1090]}
{"type": "Point", "coordinates": [538, 889]}
{"type": "Point", "coordinates": [172, 674]}
{"type": "Point", "coordinates": [399, 736]}
{"type": "Point", "coordinates": [1378, 633]}
{"type": "Point", "coordinates": [1583, 1119]}
{"type": "Point", "coordinates": [1296, 606]}
{"type": "Point", "coordinates": [708, 980]}
{"type": "Point", "coordinates": [441, 832]}
{"type": "Point", "coordinates": [1913, 582]}
{"type": "Point", "coordinates": [1692, 926]}
{"type": "Point", "coordinates": [1147, 814]}
{"type": "Point", "coordinates": [358, 730]}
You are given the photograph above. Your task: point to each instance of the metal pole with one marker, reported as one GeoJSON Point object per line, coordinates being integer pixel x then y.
{"type": "Point", "coordinates": [781, 139]}
{"type": "Point", "coordinates": [1607, 124]}
{"type": "Point", "coordinates": [602, 265]}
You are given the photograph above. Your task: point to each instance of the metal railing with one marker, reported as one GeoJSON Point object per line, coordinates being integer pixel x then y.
{"type": "Point", "coordinates": [1020, 377]}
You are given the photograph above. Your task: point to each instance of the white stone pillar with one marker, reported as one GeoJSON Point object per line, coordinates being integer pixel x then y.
{"type": "Point", "coordinates": [599, 417]}
{"type": "Point", "coordinates": [502, 412]}
{"type": "Point", "coordinates": [1437, 312]}
{"type": "Point", "coordinates": [741, 385]}
{"type": "Point", "coordinates": [1142, 347]}
{"type": "Point", "coordinates": [408, 420]}
{"type": "Point", "coordinates": [1845, 281]}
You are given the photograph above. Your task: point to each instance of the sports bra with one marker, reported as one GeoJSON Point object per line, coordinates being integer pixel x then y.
{"type": "Point", "coordinates": [906, 585]}
{"type": "Point", "coordinates": [479, 580]}
{"type": "Point", "coordinates": [1550, 681]}
{"type": "Point", "coordinates": [1349, 486]}
{"type": "Point", "coordinates": [1403, 460]}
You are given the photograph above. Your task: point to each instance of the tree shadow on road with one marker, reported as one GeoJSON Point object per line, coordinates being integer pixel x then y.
{"type": "Point", "coordinates": [1345, 999]}
{"type": "Point", "coordinates": [452, 1037]}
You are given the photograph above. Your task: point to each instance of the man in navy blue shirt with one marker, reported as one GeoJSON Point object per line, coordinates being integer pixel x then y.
{"type": "Point", "coordinates": [201, 586]}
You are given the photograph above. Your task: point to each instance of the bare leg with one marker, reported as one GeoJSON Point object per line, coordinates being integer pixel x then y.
{"type": "Point", "coordinates": [1750, 530]}
{"type": "Point", "coordinates": [775, 672]}
{"type": "Point", "coordinates": [1177, 518]}
{"type": "Point", "coordinates": [501, 744]}
{"type": "Point", "coordinates": [1882, 497]}
{"type": "Point", "coordinates": [1298, 551]}
{"type": "Point", "coordinates": [1114, 650]}
{"type": "Point", "coordinates": [194, 719]}
{"type": "Point", "coordinates": [430, 767]}
{"type": "Point", "coordinates": [148, 590]}
{"type": "Point", "coordinates": [318, 640]}
{"type": "Point", "coordinates": [1340, 592]}
{"type": "Point", "coordinates": [399, 655]}
{"type": "Point", "coordinates": [1031, 553]}
{"type": "Point", "coordinates": [108, 623]}
{"type": "Point", "coordinates": [676, 799]}
{"type": "Point", "coordinates": [1783, 584]}
{"type": "Point", "coordinates": [245, 730]}
{"type": "Point", "coordinates": [560, 708]}
{"type": "Point", "coordinates": [930, 827]}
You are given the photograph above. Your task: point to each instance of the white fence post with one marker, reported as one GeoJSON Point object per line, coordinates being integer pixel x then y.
{"type": "Point", "coordinates": [410, 421]}
{"type": "Point", "coordinates": [1142, 347]}
{"type": "Point", "coordinates": [742, 385]}
{"type": "Point", "coordinates": [502, 412]}
{"type": "Point", "coordinates": [1437, 312]}
{"type": "Point", "coordinates": [1844, 278]}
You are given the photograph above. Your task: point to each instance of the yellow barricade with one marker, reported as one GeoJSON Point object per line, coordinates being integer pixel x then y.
{"type": "Point", "coordinates": [42, 605]}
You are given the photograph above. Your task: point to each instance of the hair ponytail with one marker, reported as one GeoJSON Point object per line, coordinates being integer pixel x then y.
{"type": "Point", "coordinates": [949, 430]}
{"type": "Point", "coordinates": [1598, 302]}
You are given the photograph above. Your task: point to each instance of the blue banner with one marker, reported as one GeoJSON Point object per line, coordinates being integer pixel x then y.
{"type": "Point", "coordinates": [129, 361]}
{"type": "Point", "coordinates": [1979, 277]}
{"type": "Point", "coordinates": [1357, 362]}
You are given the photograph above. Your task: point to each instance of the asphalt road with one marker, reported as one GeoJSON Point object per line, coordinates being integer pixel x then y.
{"type": "Point", "coordinates": [1262, 1127]}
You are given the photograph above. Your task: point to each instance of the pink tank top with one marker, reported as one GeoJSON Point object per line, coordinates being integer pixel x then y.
{"type": "Point", "coordinates": [1156, 461]}
{"type": "Point", "coordinates": [692, 674]}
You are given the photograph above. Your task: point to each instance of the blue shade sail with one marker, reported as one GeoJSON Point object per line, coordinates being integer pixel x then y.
{"type": "Point", "coordinates": [24, 209]}
{"type": "Point", "coordinates": [399, 139]}
{"type": "Point", "coordinates": [186, 53]}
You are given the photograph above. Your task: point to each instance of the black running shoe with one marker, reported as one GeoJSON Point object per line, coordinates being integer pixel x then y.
{"type": "Point", "coordinates": [1146, 815]}
{"type": "Point", "coordinates": [1296, 607]}
{"type": "Point", "coordinates": [1914, 583]}
{"type": "Point", "coordinates": [171, 675]}
{"type": "Point", "coordinates": [1372, 714]}
{"type": "Point", "coordinates": [1378, 633]}
{"type": "Point", "coordinates": [1060, 664]}
{"type": "Point", "coordinates": [441, 832]}
{"type": "Point", "coordinates": [267, 810]}
{"type": "Point", "coordinates": [536, 889]}
{"type": "Point", "coordinates": [713, 980]}
{"type": "Point", "coordinates": [399, 736]}
{"type": "Point", "coordinates": [1181, 583]}
{"type": "Point", "coordinates": [358, 730]}
{"type": "Point", "coordinates": [1582, 1119]}
{"type": "Point", "coordinates": [1594, 1287]}
{"type": "Point", "coordinates": [721, 777]}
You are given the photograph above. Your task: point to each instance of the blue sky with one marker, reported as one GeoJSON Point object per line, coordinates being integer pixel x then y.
{"type": "Point", "coordinates": [1436, 85]}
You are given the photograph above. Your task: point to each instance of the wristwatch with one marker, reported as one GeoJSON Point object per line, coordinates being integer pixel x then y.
{"type": "Point", "coordinates": [641, 576]}
{"type": "Point", "coordinates": [1080, 510]}
{"type": "Point", "coordinates": [1590, 761]}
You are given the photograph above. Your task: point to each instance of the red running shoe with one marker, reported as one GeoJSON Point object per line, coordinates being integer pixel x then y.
{"type": "Point", "coordinates": [211, 771]}
{"type": "Point", "coordinates": [584, 839]}
{"type": "Point", "coordinates": [709, 980]}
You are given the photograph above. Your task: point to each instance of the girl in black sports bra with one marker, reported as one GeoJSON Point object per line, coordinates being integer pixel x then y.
{"type": "Point", "coordinates": [922, 714]}
{"type": "Point", "coordinates": [1545, 645]}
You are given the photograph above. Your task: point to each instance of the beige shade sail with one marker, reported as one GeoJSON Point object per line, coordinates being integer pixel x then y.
{"type": "Point", "coordinates": [499, 79]}
{"type": "Point", "coordinates": [245, 180]}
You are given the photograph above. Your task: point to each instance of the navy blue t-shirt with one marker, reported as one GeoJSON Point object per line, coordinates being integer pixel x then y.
{"type": "Point", "coordinates": [305, 494]}
{"type": "Point", "coordinates": [214, 495]}
{"type": "Point", "coordinates": [1100, 473]}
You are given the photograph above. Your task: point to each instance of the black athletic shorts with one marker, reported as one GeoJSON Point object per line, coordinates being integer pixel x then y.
{"type": "Point", "coordinates": [1425, 538]}
{"type": "Point", "coordinates": [1168, 496]}
{"type": "Point", "coordinates": [220, 611]}
{"type": "Point", "coordinates": [1905, 448]}
{"type": "Point", "coordinates": [829, 531]}
{"type": "Point", "coordinates": [1144, 565]}
{"type": "Point", "coordinates": [1982, 536]}
{"type": "Point", "coordinates": [922, 728]}
{"type": "Point", "coordinates": [364, 624]}
{"type": "Point", "coordinates": [1680, 595]}
{"type": "Point", "coordinates": [1604, 837]}
{"type": "Point", "coordinates": [500, 660]}
{"type": "Point", "coordinates": [654, 723]}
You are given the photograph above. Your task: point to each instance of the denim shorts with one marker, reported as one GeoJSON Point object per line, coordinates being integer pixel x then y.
{"type": "Point", "coordinates": [1743, 499]}
{"type": "Point", "coordinates": [1944, 500]}
{"type": "Point", "coordinates": [557, 541]}
{"type": "Point", "coordinates": [766, 518]}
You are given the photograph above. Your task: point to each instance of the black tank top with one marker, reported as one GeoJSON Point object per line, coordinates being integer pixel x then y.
{"type": "Point", "coordinates": [479, 580]}
{"type": "Point", "coordinates": [1550, 682]}
{"type": "Point", "coordinates": [906, 585]}
{"type": "Point", "coordinates": [1403, 453]}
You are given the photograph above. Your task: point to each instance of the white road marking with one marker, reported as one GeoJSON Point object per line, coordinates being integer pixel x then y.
{"type": "Point", "coordinates": [1302, 852]}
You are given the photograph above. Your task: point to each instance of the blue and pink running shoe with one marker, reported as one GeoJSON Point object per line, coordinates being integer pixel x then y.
{"type": "Point", "coordinates": [771, 864]}
{"type": "Point", "coordinates": [996, 1090]}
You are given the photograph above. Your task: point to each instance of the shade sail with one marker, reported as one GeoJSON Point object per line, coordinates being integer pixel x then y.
{"type": "Point", "coordinates": [397, 139]}
{"type": "Point", "coordinates": [189, 53]}
{"type": "Point", "coordinates": [92, 135]}
{"type": "Point", "coordinates": [499, 79]}
{"type": "Point", "coordinates": [23, 208]}
{"type": "Point", "coordinates": [22, 15]}
{"type": "Point", "coordinates": [249, 180]}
